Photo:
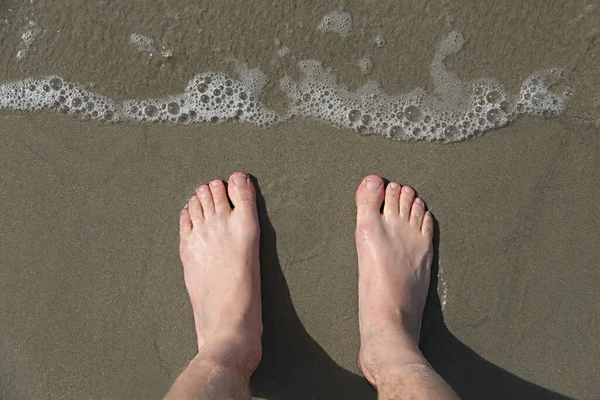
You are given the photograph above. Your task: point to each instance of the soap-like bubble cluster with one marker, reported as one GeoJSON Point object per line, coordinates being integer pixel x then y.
{"type": "Point", "coordinates": [339, 22]}
{"type": "Point", "coordinates": [365, 64]}
{"type": "Point", "coordinates": [142, 43]}
{"type": "Point", "coordinates": [456, 110]}
{"type": "Point", "coordinates": [54, 93]}
{"type": "Point", "coordinates": [544, 93]}
{"type": "Point", "coordinates": [208, 97]}
{"type": "Point", "coordinates": [28, 36]}
{"type": "Point", "coordinates": [380, 41]}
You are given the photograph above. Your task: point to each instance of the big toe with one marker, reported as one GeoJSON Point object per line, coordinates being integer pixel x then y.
{"type": "Point", "coordinates": [369, 196]}
{"type": "Point", "coordinates": [242, 193]}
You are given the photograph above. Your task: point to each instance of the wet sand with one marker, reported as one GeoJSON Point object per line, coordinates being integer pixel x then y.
{"type": "Point", "coordinates": [92, 300]}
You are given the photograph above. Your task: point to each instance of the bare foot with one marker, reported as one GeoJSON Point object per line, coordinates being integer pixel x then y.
{"type": "Point", "coordinates": [394, 262]}
{"type": "Point", "coordinates": [220, 255]}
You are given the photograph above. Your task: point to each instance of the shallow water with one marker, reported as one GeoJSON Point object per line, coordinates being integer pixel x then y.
{"type": "Point", "coordinates": [135, 51]}
{"type": "Point", "coordinates": [93, 306]}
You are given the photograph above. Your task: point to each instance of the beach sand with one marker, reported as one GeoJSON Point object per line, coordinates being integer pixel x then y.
{"type": "Point", "coordinates": [92, 299]}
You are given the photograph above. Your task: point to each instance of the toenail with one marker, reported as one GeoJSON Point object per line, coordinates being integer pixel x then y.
{"type": "Point", "coordinates": [372, 184]}
{"type": "Point", "coordinates": [407, 189]}
{"type": "Point", "coordinates": [202, 188]}
{"type": "Point", "coordinates": [394, 185]}
{"type": "Point", "coordinates": [419, 201]}
{"type": "Point", "coordinates": [240, 180]}
{"type": "Point", "coordinates": [214, 183]}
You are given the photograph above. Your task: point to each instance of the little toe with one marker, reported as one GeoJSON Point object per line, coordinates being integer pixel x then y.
{"type": "Point", "coordinates": [407, 196]}
{"type": "Point", "coordinates": [208, 206]}
{"type": "Point", "coordinates": [392, 198]}
{"type": "Point", "coordinates": [242, 193]}
{"type": "Point", "coordinates": [219, 196]}
{"type": "Point", "coordinates": [417, 213]}
{"type": "Point", "coordinates": [195, 210]}
{"type": "Point", "coordinates": [369, 196]}
{"type": "Point", "coordinates": [185, 223]}
{"type": "Point", "coordinates": [427, 227]}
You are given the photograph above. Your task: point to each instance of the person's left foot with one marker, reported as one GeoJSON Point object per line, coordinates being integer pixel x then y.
{"type": "Point", "coordinates": [219, 249]}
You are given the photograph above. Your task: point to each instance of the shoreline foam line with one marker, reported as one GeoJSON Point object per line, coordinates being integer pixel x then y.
{"type": "Point", "coordinates": [454, 111]}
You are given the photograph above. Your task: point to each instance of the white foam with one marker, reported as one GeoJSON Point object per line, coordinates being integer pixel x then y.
{"type": "Point", "coordinates": [284, 51]}
{"type": "Point", "coordinates": [142, 43]}
{"type": "Point", "coordinates": [339, 22]}
{"type": "Point", "coordinates": [443, 287]}
{"type": "Point", "coordinates": [54, 93]}
{"type": "Point", "coordinates": [209, 97]}
{"type": "Point", "coordinates": [380, 41]}
{"type": "Point", "coordinates": [28, 36]}
{"type": "Point", "coordinates": [454, 110]}
{"type": "Point", "coordinates": [365, 64]}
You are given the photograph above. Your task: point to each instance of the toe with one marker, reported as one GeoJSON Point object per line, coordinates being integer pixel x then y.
{"type": "Point", "coordinates": [427, 227]}
{"type": "Point", "coordinates": [195, 210]}
{"type": "Point", "coordinates": [185, 223]}
{"type": "Point", "coordinates": [208, 206]}
{"type": "Point", "coordinates": [219, 196]}
{"type": "Point", "coordinates": [241, 192]}
{"type": "Point", "coordinates": [369, 196]}
{"type": "Point", "coordinates": [392, 197]}
{"type": "Point", "coordinates": [407, 196]}
{"type": "Point", "coordinates": [417, 212]}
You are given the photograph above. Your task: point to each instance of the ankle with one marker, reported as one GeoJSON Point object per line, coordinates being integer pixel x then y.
{"type": "Point", "coordinates": [237, 351]}
{"type": "Point", "coordinates": [388, 354]}
{"type": "Point", "coordinates": [208, 379]}
{"type": "Point", "coordinates": [397, 365]}
{"type": "Point", "coordinates": [409, 381]}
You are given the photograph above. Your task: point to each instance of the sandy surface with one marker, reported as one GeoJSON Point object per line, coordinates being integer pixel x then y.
{"type": "Point", "coordinates": [92, 300]}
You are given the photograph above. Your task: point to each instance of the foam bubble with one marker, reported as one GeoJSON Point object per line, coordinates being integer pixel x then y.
{"type": "Point", "coordinates": [28, 35]}
{"type": "Point", "coordinates": [454, 110]}
{"type": "Point", "coordinates": [54, 93]}
{"type": "Point", "coordinates": [544, 93]}
{"type": "Point", "coordinates": [284, 51]}
{"type": "Point", "coordinates": [209, 97]}
{"type": "Point", "coordinates": [339, 22]}
{"type": "Point", "coordinates": [365, 64]}
{"type": "Point", "coordinates": [142, 43]}
{"type": "Point", "coordinates": [380, 41]}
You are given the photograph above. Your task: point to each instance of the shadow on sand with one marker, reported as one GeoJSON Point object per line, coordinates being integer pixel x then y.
{"type": "Point", "coordinates": [294, 366]}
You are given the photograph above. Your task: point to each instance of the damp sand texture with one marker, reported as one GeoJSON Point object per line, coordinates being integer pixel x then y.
{"type": "Point", "coordinates": [92, 298]}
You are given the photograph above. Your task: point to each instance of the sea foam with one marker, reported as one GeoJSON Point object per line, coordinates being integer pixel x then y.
{"type": "Point", "coordinates": [454, 110]}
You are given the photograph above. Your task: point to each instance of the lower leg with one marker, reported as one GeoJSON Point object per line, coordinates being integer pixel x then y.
{"type": "Point", "coordinates": [394, 256]}
{"type": "Point", "coordinates": [414, 381]}
{"type": "Point", "coordinates": [395, 365]}
{"type": "Point", "coordinates": [205, 380]}
{"type": "Point", "coordinates": [219, 252]}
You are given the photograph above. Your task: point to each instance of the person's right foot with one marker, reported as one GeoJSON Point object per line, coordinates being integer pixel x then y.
{"type": "Point", "coordinates": [394, 261]}
{"type": "Point", "coordinates": [219, 252]}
